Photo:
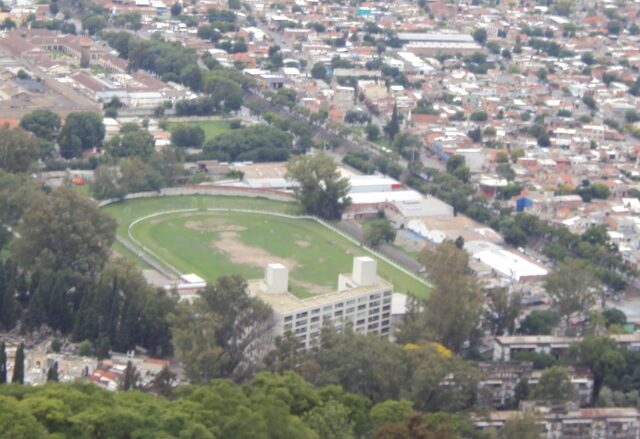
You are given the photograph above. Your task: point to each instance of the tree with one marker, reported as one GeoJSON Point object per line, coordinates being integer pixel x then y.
{"type": "Point", "coordinates": [42, 123]}
{"type": "Point", "coordinates": [124, 311]}
{"type": "Point", "coordinates": [93, 24]}
{"type": "Point", "coordinates": [185, 136]}
{"type": "Point", "coordinates": [18, 368]}
{"type": "Point", "coordinates": [525, 427]}
{"type": "Point", "coordinates": [285, 355]}
{"type": "Point", "coordinates": [81, 131]}
{"type": "Point", "coordinates": [588, 58]}
{"type": "Point", "coordinates": [56, 345]}
{"type": "Point", "coordinates": [390, 411]}
{"type": "Point", "coordinates": [66, 234]}
{"type": "Point", "coordinates": [258, 143]}
{"type": "Point", "coordinates": [131, 377]}
{"type": "Point", "coordinates": [3, 363]}
{"type": "Point", "coordinates": [286, 97]}
{"type": "Point", "coordinates": [219, 335]}
{"type": "Point", "coordinates": [479, 116]}
{"type": "Point", "coordinates": [275, 57]}
{"type": "Point", "coordinates": [176, 9]}
{"type": "Point", "coordinates": [572, 287]}
{"type": "Point", "coordinates": [539, 322]}
{"type": "Point", "coordinates": [392, 128]}
{"type": "Point", "coordinates": [456, 166]}
{"type": "Point", "coordinates": [131, 144]}
{"type": "Point", "coordinates": [614, 27]}
{"type": "Point", "coordinates": [321, 189]}
{"type": "Point", "coordinates": [601, 355]}
{"type": "Point", "coordinates": [373, 132]}
{"type": "Point", "coordinates": [480, 35]}
{"type": "Point", "coordinates": [451, 313]}
{"type": "Point", "coordinates": [590, 102]}
{"type": "Point", "coordinates": [162, 383]}
{"type": "Point", "coordinates": [378, 231]}
{"type": "Point", "coordinates": [52, 372]}
{"type": "Point", "coordinates": [614, 316]}
{"type": "Point", "coordinates": [554, 385]}
{"type": "Point", "coordinates": [105, 184]}
{"type": "Point", "coordinates": [502, 310]}
{"type": "Point", "coordinates": [330, 421]}
{"type": "Point", "coordinates": [18, 149]}
{"type": "Point", "coordinates": [475, 135]}
{"type": "Point", "coordinates": [319, 71]}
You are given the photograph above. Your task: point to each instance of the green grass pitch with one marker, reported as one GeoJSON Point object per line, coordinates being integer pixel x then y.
{"type": "Point", "coordinates": [211, 128]}
{"type": "Point", "coordinates": [212, 244]}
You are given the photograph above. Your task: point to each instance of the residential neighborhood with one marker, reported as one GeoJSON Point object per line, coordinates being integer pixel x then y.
{"type": "Point", "coordinates": [320, 219]}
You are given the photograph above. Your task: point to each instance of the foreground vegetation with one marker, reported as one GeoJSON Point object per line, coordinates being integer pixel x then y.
{"type": "Point", "coordinates": [267, 407]}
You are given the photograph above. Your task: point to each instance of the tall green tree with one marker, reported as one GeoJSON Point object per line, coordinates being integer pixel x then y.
{"type": "Point", "coordinates": [3, 363]}
{"type": "Point", "coordinates": [392, 128]}
{"type": "Point", "coordinates": [18, 367]}
{"type": "Point", "coordinates": [573, 287]}
{"type": "Point", "coordinates": [66, 234]}
{"type": "Point", "coordinates": [52, 372]}
{"type": "Point", "coordinates": [502, 311]}
{"type": "Point", "coordinates": [602, 356]}
{"type": "Point", "coordinates": [123, 311]}
{"type": "Point", "coordinates": [451, 313]}
{"type": "Point", "coordinates": [219, 335]}
{"type": "Point", "coordinates": [81, 131]}
{"type": "Point", "coordinates": [18, 149]}
{"type": "Point", "coordinates": [321, 189]}
{"type": "Point", "coordinates": [9, 307]}
{"type": "Point", "coordinates": [131, 377]}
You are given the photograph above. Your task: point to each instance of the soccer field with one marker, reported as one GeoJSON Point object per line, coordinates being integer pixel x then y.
{"type": "Point", "coordinates": [211, 128]}
{"type": "Point", "coordinates": [212, 244]}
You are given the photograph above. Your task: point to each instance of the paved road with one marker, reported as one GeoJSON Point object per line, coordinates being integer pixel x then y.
{"type": "Point", "coordinates": [407, 261]}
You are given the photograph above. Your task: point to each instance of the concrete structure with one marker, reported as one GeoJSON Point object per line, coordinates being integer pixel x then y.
{"type": "Point", "coordinates": [276, 279]}
{"type": "Point", "coordinates": [506, 263]}
{"type": "Point", "coordinates": [362, 301]}
{"type": "Point", "coordinates": [505, 347]}
{"type": "Point", "coordinates": [566, 422]}
{"type": "Point", "coordinates": [497, 387]}
{"type": "Point", "coordinates": [401, 212]}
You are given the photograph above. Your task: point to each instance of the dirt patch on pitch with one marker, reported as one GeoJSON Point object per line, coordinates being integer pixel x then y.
{"type": "Point", "coordinates": [303, 244]}
{"type": "Point", "coordinates": [240, 253]}
{"type": "Point", "coordinates": [213, 225]}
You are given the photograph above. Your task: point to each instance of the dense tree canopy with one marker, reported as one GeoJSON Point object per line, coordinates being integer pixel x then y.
{"type": "Point", "coordinates": [42, 123]}
{"type": "Point", "coordinates": [186, 136]}
{"type": "Point", "coordinates": [18, 149]}
{"type": "Point", "coordinates": [258, 143]}
{"type": "Point", "coordinates": [81, 131]}
{"type": "Point", "coordinates": [269, 406]}
{"type": "Point", "coordinates": [136, 143]}
{"type": "Point", "coordinates": [66, 233]}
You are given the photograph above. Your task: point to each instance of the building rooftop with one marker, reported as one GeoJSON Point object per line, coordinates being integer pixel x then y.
{"type": "Point", "coordinates": [285, 303]}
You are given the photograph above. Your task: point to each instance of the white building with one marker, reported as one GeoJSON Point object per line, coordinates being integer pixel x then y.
{"type": "Point", "coordinates": [362, 301]}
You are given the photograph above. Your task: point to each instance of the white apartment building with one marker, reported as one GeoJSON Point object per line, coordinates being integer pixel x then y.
{"type": "Point", "coordinates": [362, 301]}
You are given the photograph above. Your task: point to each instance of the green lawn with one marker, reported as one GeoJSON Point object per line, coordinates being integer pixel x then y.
{"type": "Point", "coordinates": [211, 128]}
{"type": "Point", "coordinates": [211, 244]}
